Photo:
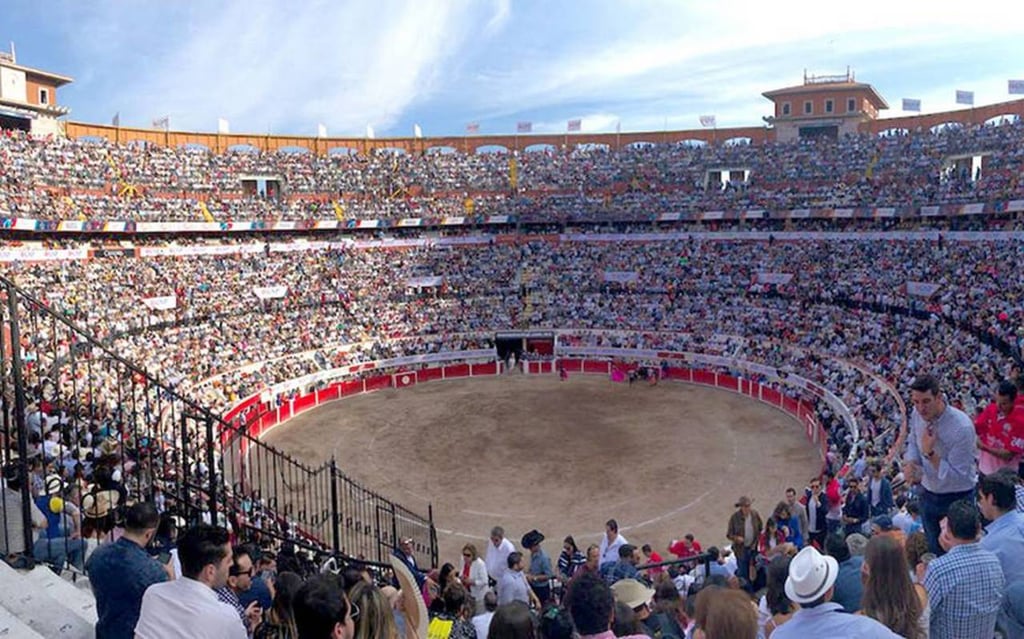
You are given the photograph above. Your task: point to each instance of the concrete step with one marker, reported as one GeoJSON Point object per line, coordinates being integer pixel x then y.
{"type": "Point", "coordinates": [11, 626]}
{"type": "Point", "coordinates": [78, 600]}
{"type": "Point", "coordinates": [42, 608]}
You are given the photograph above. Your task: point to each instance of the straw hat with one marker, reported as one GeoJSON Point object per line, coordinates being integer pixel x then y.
{"type": "Point", "coordinates": [100, 504]}
{"type": "Point", "coordinates": [414, 608]}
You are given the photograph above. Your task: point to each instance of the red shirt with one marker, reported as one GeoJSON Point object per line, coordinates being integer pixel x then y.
{"type": "Point", "coordinates": [679, 549]}
{"type": "Point", "coordinates": [1005, 432]}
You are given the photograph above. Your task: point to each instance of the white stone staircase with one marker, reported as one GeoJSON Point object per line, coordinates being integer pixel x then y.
{"type": "Point", "coordinates": [38, 603]}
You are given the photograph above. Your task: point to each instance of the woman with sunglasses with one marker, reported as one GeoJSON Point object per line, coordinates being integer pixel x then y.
{"type": "Point", "coordinates": [474, 575]}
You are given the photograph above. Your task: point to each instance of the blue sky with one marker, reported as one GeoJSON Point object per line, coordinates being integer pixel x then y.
{"type": "Point", "coordinates": [284, 67]}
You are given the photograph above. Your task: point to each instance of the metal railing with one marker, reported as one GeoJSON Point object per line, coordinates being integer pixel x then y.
{"type": "Point", "coordinates": [84, 424]}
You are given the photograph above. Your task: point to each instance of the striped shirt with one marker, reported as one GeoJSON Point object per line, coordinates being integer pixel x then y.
{"type": "Point", "coordinates": [965, 590]}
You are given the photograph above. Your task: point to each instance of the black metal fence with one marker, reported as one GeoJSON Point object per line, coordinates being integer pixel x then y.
{"type": "Point", "coordinates": [84, 431]}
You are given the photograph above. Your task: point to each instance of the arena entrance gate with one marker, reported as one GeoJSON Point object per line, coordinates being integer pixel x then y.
{"type": "Point", "coordinates": [512, 346]}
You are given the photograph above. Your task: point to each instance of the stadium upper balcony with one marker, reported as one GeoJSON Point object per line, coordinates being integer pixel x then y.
{"type": "Point", "coordinates": [138, 184]}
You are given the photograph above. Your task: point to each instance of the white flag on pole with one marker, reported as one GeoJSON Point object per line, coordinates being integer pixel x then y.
{"type": "Point", "coordinates": [223, 126]}
{"type": "Point", "coordinates": [162, 123]}
{"type": "Point", "coordinates": [707, 121]}
{"type": "Point", "coordinates": [911, 104]}
{"type": "Point", "coordinates": [417, 131]}
{"type": "Point", "coordinates": [321, 130]}
{"type": "Point", "coordinates": [369, 131]}
{"type": "Point", "coordinates": [574, 126]}
{"type": "Point", "coordinates": [965, 97]}
{"type": "Point", "coordinates": [1015, 87]}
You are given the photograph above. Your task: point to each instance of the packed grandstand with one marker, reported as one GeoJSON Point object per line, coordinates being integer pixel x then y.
{"type": "Point", "coordinates": [834, 273]}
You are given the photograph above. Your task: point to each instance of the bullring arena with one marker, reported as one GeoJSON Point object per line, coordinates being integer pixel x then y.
{"type": "Point", "coordinates": [324, 347]}
{"type": "Point", "coordinates": [529, 451]}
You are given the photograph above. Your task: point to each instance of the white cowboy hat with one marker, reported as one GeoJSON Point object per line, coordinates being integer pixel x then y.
{"type": "Point", "coordinates": [632, 593]}
{"type": "Point", "coordinates": [811, 574]}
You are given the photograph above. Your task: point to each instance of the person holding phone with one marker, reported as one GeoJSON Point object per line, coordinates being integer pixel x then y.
{"type": "Point", "coordinates": [941, 451]}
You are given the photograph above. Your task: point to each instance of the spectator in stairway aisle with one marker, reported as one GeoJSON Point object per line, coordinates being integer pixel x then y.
{"type": "Point", "coordinates": [1000, 430]}
{"type": "Point", "coordinates": [1004, 535]}
{"type": "Point", "coordinates": [120, 572]}
{"type": "Point", "coordinates": [817, 509]}
{"type": "Point", "coordinates": [879, 490]}
{"type": "Point", "coordinates": [745, 526]}
{"type": "Point", "coordinates": [966, 585]}
{"type": "Point", "coordinates": [940, 455]}
{"type": "Point", "coordinates": [188, 607]}
{"type": "Point", "coordinates": [404, 553]}
{"type": "Point", "coordinates": [496, 558]}
{"type": "Point", "coordinates": [610, 543]}
{"type": "Point", "coordinates": [540, 573]}
{"type": "Point", "coordinates": [855, 507]}
{"type": "Point", "coordinates": [474, 575]}
{"type": "Point", "coordinates": [834, 496]}
{"type": "Point", "coordinates": [799, 511]}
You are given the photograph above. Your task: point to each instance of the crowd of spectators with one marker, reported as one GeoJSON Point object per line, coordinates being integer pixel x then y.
{"type": "Point", "coordinates": [53, 179]}
{"type": "Point", "coordinates": [848, 315]}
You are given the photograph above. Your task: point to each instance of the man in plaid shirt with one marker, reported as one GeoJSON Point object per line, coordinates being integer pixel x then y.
{"type": "Point", "coordinates": [965, 586]}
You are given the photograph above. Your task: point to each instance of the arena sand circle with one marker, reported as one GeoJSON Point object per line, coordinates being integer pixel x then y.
{"type": "Point", "coordinates": [563, 457]}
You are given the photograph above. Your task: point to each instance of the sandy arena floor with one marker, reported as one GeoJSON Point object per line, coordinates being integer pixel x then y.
{"type": "Point", "coordinates": [527, 452]}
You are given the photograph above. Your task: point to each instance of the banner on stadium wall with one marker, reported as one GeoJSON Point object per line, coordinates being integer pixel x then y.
{"type": "Point", "coordinates": [972, 209]}
{"type": "Point", "coordinates": [621, 277]}
{"type": "Point", "coordinates": [886, 211]}
{"type": "Point", "coordinates": [766, 277]}
{"type": "Point", "coordinates": [161, 303]}
{"type": "Point", "coordinates": [842, 213]}
{"type": "Point", "coordinates": [455, 220]}
{"type": "Point", "coordinates": [670, 217]}
{"type": "Point", "coordinates": [1015, 205]}
{"type": "Point", "coordinates": [497, 219]}
{"type": "Point", "coordinates": [922, 289]}
{"type": "Point", "coordinates": [411, 221]}
{"type": "Point", "coordinates": [754, 214]}
{"type": "Point", "coordinates": [799, 214]}
{"type": "Point", "coordinates": [712, 215]}
{"type": "Point", "coordinates": [270, 292]}
{"type": "Point", "coordinates": [42, 255]}
{"type": "Point", "coordinates": [427, 281]}
{"type": "Point", "coordinates": [930, 211]}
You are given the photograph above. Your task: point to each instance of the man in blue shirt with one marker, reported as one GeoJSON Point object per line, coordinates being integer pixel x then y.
{"type": "Point", "coordinates": [848, 585]}
{"type": "Point", "coordinates": [811, 583]}
{"type": "Point", "coordinates": [941, 454]}
{"type": "Point", "coordinates": [120, 572]}
{"type": "Point", "coordinates": [966, 585]}
{"type": "Point", "coordinates": [1004, 537]}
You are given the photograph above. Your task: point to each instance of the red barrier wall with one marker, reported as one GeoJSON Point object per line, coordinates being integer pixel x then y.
{"type": "Point", "coordinates": [801, 410]}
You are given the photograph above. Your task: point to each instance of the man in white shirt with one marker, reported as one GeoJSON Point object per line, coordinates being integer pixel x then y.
{"type": "Point", "coordinates": [482, 622]}
{"type": "Point", "coordinates": [611, 542]}
{"type": "Point", "coordinates": [188, 607]}
{"type": "Point", "coordinates": [497, 554]}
